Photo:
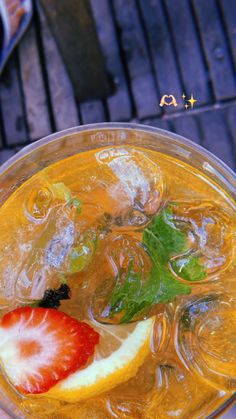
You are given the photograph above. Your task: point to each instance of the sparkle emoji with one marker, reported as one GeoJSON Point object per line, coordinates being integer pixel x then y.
{"type": "Point", "coordinates": [192, 101]}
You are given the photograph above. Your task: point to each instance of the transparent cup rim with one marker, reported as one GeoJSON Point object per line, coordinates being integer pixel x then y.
{"type": "Point", "coordinates": [222, 167]}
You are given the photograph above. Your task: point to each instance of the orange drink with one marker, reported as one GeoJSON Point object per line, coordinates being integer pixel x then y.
{"type": "Point", "coordinates": [117, 279]}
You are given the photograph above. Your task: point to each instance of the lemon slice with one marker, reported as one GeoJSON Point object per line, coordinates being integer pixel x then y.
{"type": "Point", "coordinates": [108, 370]}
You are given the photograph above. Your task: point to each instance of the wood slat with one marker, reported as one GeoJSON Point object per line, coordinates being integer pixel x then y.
{"type": "Point", "coordinates": [74, 29]}
{"type": "Point", "coordinates": [187, 126]}
{"type": "Point", "coordinates": [33, 87]}
{"type": "Point", "coordinates": [61, 93]}
{"type": "Point", "coordinates": [228, 9]}
{"type": "Point", "coordinates": [140, 52]}
{"type": "Point", "coordinates": [1, 135]}
{"type": "Point", "coordinates": [6, 154]}
{"type": "Point", "coordinates": [92, 111]}
{"type": "Point", "coordinates": [135, 50]}
{"type": "Point", "coordinates": [166, 69]}
{"type": "Point", "coordinates": [216, 136]}
{"type": "Point", "coordinates": [12, 105]}
{"type": "Point", "coordinates": [157, 122]}
{"type": "Point", "coordinates": [230, 113]}
{"type": "Point", "coordinates": [119, 104]}
{"type": "Point", "coordinates": [189, 54]}
{"type": "Point", "coordinates": [216, 50]}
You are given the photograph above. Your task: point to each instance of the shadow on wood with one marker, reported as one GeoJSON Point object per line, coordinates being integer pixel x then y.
{"type": "Point", "coordinates": [74, 29]}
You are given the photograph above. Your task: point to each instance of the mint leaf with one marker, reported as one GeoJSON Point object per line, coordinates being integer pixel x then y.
{"type": "Point", "coordinates": [154, 246]}
{"type": "Point", "coordinates": [189, 268]}
{"type": "Point", "coordinates": [163, 235]}
{"type": "Point", "coordinates": [126, 296]}
{"type": "Point", "coordinates": [136, 296]}
{"type": "Point", "coordinates": [163, 240]}
{"type": "Point", "coordinates": [133, 296]}
{"type": "Point", "coordinates": [76, 203]}
{"type": "Point", "coordinates": [169, 287]}
{"type": "Point", "coordinates": [61, 191]}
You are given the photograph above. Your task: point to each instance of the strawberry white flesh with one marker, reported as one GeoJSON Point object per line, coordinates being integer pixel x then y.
{"type": "Point", "coordinates": [39, 347]}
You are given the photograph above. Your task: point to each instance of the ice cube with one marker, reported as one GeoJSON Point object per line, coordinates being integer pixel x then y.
{"type": "Point", "coordinates": [206, 339]}
{"type": "Point", "coordinates": [48, 256]}
{"type": "Point", "coordinates": [210, 231]}
{"type": "Point", "coordinates": [131, 399]}
{"type": "Point", "coordinates": [178, 392]}
{"type": "Point", "coordinates": [120, 255]}
{"type": "Point", "coordinates": [59, 246]}
{"type": "Point", "coordinates": [38, 204]}
{"type": "Point", "coordinates": [138, 180]}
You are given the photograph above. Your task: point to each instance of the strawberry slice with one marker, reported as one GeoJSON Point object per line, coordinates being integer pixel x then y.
{"type": "Point", "coordinates": [39, 347]}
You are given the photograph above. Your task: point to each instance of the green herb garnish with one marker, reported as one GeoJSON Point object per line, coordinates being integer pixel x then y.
{"type": "Point", "coordinates": [61, 191]}
{"type": "Point", "coordinates": [126, 296]}
{"type": "Point", "coordinates": [163, 235]}
{"type": "Point", "coordinates": [75, 202]}
{"type": "Point", "coordinates": [81, 255]}
{"type": "Point", "coordinates": [189, 268]}
{"type": "Point", "coordinates": [134, 295]}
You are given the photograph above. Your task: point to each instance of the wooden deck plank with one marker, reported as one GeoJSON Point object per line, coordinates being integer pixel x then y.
{"type": "Point", "coordinates": [166, 69]}
{"type": "Point", "coordinates": [189, 54]}
{"type": "Point", "coordinates": [230, 115]}
{"type": "Point", "coordinates": [6, 154]}
{"type": "Point", "coordinates": [145, 42]}
{"type": "Point", "coordinates": [33, 87]}
{"type": "Point", "coordinates": [135, 50]}
{"type": "Point", "coordinates": [12, 105]}
{"type": "Point", "coordinates": [61, 93]}
{"type": "Point", "coordinates": [187, 126]}
{"type": "Point", "coordinates": [1, 134]}
{"type": "Point", "coordinates": [158, 123]}
{"type": "Point", "coordinates": [216, 50]}
{"type": "Point", "coordinates": [92, 112]}
{"type": "Point", "coordinates": [228, 9]}
{"type": "Point", "coordinates": [119, 104]}
{"type": "Point", "coordinates": [216, 136]}
{"type": "Point", "coordinates": [74, 29]}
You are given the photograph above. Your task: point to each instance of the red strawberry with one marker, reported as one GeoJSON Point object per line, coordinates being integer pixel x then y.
{"type": "Point", "coordinates": [39, 347]}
